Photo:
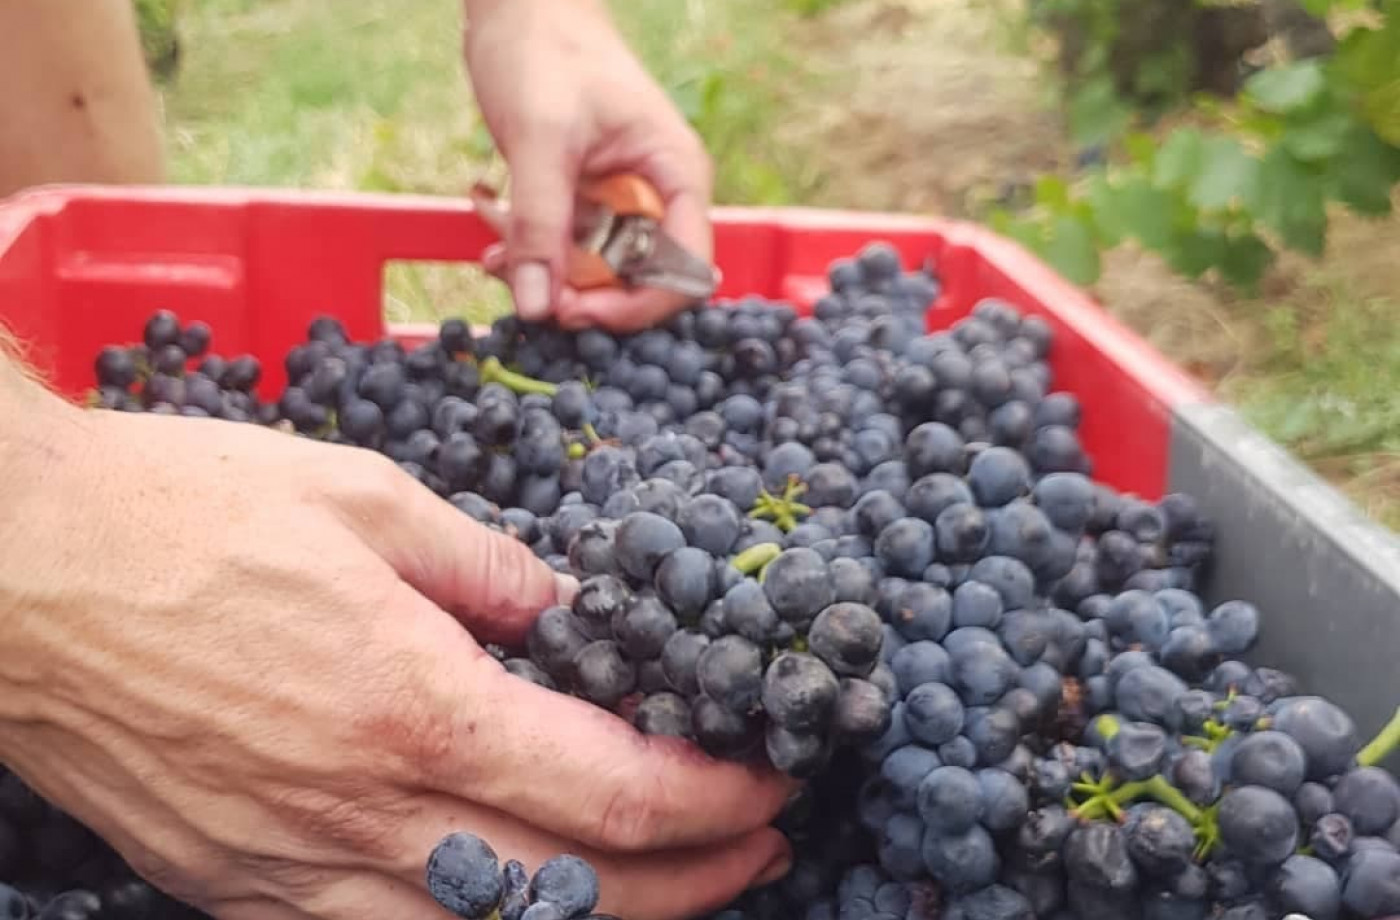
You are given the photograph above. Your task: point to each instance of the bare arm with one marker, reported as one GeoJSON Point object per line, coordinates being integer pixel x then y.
{"type": "Point", "coordinates": [75, 101]}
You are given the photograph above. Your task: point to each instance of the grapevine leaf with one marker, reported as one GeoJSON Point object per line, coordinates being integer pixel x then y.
{"type": "Point", "coordinates": [1381, 107]}
{"type": "Point", "coordinates": [1141, 148]}
{"type": "Point", "coordinates": [1364, 171]}
{"type": "Point", "coordinates": [1071, 250]}
{"type": "Point", "coordinates": [1288, 88]}
{"type": "Point", "coordinates": [1319, 137]}
{"type": "Point", "coordinates": [1104, 201]}
{"type": "Point", "coordinates": [1096, 114]}
{"type": "Point", "coordinates": [1193, 252]}
{"type": "Point", "coordinates": [1053, 192]}
{"type": "Point", "coordinates": [1246, 257]}
{"type": "Point", "coordinates": [1178, 161]}
{"type": "Point", "coordinates": [1370, 58]}
{"type": "Point", "coordinates": [1135, 208]}
{"type": "Point", "coordinates": [1291, 201]}
{"type": "Point", "coordinates": [1227, 174]}
{"type": "Point", "coordinates": [1029, 233]}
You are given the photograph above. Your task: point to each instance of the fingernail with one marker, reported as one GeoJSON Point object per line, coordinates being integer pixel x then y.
{"type": "Point", "coordinates": [565, 587]}
{"type": "Point", "coordinates": [531, 289]}
{"type": "Point", "coordinates": [776, 870]}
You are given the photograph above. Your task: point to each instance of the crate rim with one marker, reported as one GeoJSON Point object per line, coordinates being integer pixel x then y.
{"type": "Point", "coordinates": [1074, 304]}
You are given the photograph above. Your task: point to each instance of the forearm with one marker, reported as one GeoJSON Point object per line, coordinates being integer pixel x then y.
{"type": "Point", "coordinates": [75, 100]}
{"type": "Point", "coordinates": [38, 432]}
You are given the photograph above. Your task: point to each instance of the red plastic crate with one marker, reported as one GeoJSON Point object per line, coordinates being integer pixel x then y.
{"type": "Point", "coordinates": [81, 267]}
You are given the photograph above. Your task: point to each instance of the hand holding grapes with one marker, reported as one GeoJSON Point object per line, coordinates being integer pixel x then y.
{"type": "Point", "coordinates": [228, 652]}
{"type": "Point", "coordinates": [565, 98]}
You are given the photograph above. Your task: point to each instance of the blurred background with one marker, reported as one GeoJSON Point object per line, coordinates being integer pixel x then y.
{"type": "Point", "coordinates": [1219, 173]}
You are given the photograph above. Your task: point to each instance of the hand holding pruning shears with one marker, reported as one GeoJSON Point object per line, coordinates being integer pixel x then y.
{"type": "Point", "coordinates": [604, 172]}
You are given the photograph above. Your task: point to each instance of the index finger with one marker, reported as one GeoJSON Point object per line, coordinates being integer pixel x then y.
{"type": "Point", "coordinates": [576, 769]}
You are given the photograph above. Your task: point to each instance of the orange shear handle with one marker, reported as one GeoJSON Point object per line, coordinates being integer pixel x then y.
{"type": "Point", "coordinates": [625, 194]}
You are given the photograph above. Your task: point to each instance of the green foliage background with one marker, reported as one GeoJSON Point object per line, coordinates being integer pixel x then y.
{"type": "Point", "coordinates": [1240, 179]}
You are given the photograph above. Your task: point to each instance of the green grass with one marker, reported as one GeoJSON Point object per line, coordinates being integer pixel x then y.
{"type": "Point", "coordinates": [301, 93]}
{"type": "Point", "coordinates": [1327, 386]}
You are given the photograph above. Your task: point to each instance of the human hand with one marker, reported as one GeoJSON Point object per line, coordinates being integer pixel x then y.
{"type": "Point", "coordinates": [227, 652]}
{"type": "Point", "coordinates": [565, 98]}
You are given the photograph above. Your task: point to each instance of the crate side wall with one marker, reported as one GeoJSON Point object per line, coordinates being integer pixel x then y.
{"type": "Point", "coordinates": [1325, 579]}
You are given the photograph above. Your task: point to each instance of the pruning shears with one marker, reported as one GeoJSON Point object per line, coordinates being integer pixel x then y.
{"type": "Point", "coordinates": [618, 239]}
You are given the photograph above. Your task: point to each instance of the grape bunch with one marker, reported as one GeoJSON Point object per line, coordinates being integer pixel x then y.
{"type": "Point", "coordinates": [873, 557]}
{"type": "Point", "coordinates": [466, 876]}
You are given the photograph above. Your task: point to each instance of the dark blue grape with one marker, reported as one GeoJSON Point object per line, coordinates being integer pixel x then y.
{"type": "Point", "coordinates": [567, 881]}
{"type": "Point", "coordinates": [1371, 887]}
{"type": "Point", "coordinates": [730, 672]}
{"type": "Point", "coordinates": [1270, 759]}
{"type": "Point", "coordinates": [919, 663]}
{"type": "Point", "coordinates": [949, 800]}
{"type": "Point", "coordinates": [1308, 886]}
{"type": "Point", "coordinates": [934, 447]}
{"type": "Point", "coordinates": [963, 862]}
{"type": "Point", "coordinates": [933, 713]}
{"type": "Point", "coordinates": [998, 475]}
{"type": "Point", "coordinates": [922, 611]}
{"type": "Point", "coordinates": [464, 876]}
{"type": "Point", "coordinates": [799, 692]}
{"type": "Point", "coordinates": [1370, 797]}
{"type": "Point", "coordinates": [797, 585]}
{"type": "Point", "coordinates": [602, 674]}
{"type": "Point", "coordinates": [847, 637]}
{"type": "Point", "coordinates": [1326, 734]}
{"type": "Point", "coordinates": [1159, 840]}
{"type": "Point", "coordinates": [643, 540]}
{"type": "Point", "coordinates": [1258, 825]}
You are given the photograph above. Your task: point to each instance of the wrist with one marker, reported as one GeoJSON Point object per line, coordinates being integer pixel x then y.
{"type": "Point", "coordinates": [41, 435]}
{"type": "Point", "coordinates": [41, 438]}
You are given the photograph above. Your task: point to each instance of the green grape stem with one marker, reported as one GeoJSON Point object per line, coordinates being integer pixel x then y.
{"type": "Point", "coordinates": [756, 557]}
{"type": "Point", "coordinates": [1383, 745]}
{"type": "Point", "coordinates": [493, 371]}
{"type": "Point", "coordinates": [1164, 792]}
{"type": "Point", "coordinates": [783, 510]}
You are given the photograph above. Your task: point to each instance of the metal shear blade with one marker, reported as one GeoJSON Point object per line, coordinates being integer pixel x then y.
{"type": "Point", "coordinates": [643, 254]}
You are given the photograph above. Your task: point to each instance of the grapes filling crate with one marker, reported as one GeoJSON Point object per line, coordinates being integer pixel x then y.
{"type": "Point", "coordinates": [1093, 645]}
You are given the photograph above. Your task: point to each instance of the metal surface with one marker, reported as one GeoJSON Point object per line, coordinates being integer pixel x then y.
{"type": "Point", "coordinates": [647, 256]}
{"type": "Point", "coordinates": [1326, 580]}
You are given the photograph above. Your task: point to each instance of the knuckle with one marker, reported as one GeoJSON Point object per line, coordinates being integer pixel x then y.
{"type": "Point", "coordinates": [415, 723]}
{"type": "Point", "coordinates": [372, 485]}
{"type": "Point", "coordinates": [425, 742]}
{"type": "Point", "coordinates": [380, 489]}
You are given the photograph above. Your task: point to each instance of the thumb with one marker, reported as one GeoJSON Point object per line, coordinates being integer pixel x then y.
{"type": "Point", "coordinates": [488, 580]}
{"type": "Point", "coordinates": [544, 174]}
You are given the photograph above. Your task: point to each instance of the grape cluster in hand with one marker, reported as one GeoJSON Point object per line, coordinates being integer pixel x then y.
{"type": "Point", "coordinates": [869, 556]}
{"type": "Point", "coordinates": [466, 876]}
